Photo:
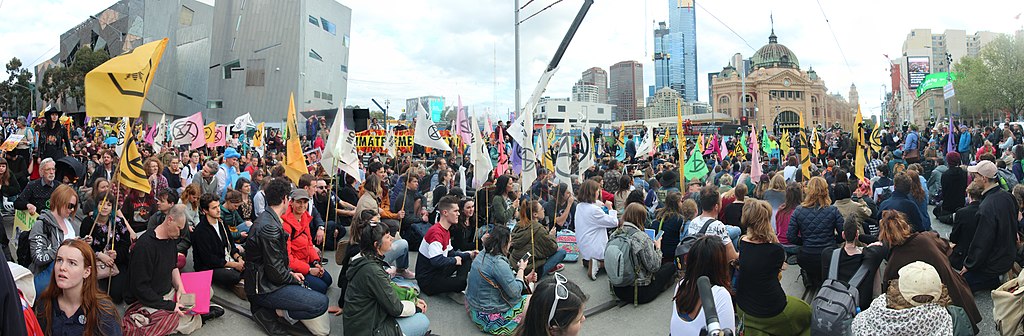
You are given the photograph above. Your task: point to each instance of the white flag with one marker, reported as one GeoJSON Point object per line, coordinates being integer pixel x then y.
{"type": "Point", "coordinates": [243, 122]}
{"type": "Point", "coordinates": [645, 148]}
{"type": "Point", "coordinates": [122, 131]}
{"type": "Point", "coordinates": [389, 143]}
{"type": "Point", "coordinates": [587, 149]}
{"type": "Point", "coordinates": [161, 133]}
{"type": "Point", "coordinates": [479, 156]}
{"type": "Point", "coordinates": [563, 160]}
{"type": "Point", "coordinates": [341, 150]}
{"type": "Point", "coordinates": [426, 132]}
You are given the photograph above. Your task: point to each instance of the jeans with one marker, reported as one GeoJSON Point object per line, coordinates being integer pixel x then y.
{"type": "Point", "coordinates": [226, 277]}
{"type": "Point", "coordinates": [398, 255]}
{"type": "Point", "coordinates": [451, 279]}
{"type": "Point", "coordinates": [319, 284]}
{"type": "Point", "coordinates": [552, 262]}
{"type": "Point", "coordinates": [734, 235]}
{"type": "Point", "coordinates": [644, 294]}
{"type": "Point", "coordinates": [415, 325]}
{"type": "Point", "coordinates": [329, 236]}
{"type": "Point", "coordinates": [299, 303]}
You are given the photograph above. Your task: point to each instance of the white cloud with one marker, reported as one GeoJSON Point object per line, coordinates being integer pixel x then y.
{"type": "Point", "coordinates": [404, 49]}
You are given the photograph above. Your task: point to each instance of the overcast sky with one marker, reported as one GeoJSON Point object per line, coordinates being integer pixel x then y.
{"type": "Point", "coordinates": [405, 48]}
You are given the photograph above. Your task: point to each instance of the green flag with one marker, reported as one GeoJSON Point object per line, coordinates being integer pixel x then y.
{"type": "Point", "coordinates": [743, 142]}
{"type": "Point", "coordinates": [695, 166]}
{"type": "Point", "coordinates": [765, 143]}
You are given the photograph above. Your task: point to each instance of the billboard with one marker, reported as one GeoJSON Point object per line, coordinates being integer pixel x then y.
{"type": "Point", "coordinates": [917, 68]}
{"type": "Point", "coordinates": [935, 81]}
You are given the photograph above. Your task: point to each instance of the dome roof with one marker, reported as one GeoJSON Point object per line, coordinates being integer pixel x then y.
{"type": "Point", "coordinates": [774, 55]}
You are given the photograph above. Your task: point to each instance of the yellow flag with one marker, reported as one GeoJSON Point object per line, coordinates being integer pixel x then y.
{"type": "Point", "coordinates": [859, 160]}
{"type": "Point", "coordinates": [805, 156]}
{"type": "Point", "coordinates": [118, 87]}
{"type": "Point", "coordinates": [294, 161]}
{"type": "Point", "coordinates": [681, 141]}
{"type": "Point", "coordinates": [210, 132]}
{"type": "Point", "coordinates": [131, 171]}
{"type": "Point", "coordinates": [784, 144]}
{"type": "Point", "coordinates": [257, 138]}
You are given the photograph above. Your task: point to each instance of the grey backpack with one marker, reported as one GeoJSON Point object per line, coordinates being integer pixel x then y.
{"type": "Point", "coordinates": [618, 259]}
{"type": "Point", "coordinates": [833, 308]}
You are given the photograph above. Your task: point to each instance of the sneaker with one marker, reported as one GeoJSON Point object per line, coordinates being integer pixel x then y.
{"type": "Point", "coordinates": [592, 270]}
{"type": "Point", "coordinates": [268, 320]}
{"type": "Point", "coordinates": [557, 268]}
{"type": "Point", "coordinates": [214, 313]}
{"type": "Point", "coordinates": [406, 273]}
{"type": "Point", "coordinates": [391, 272]}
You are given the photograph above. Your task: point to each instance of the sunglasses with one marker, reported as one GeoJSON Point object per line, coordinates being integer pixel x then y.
{"type": "Point", "coordinates": [72, 206]}
{"type": "Point", "coordinates": [561, 293]}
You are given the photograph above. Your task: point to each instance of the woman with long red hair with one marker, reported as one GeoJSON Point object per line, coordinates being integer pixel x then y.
{"type": "Point", "coordinates": [71, 304]}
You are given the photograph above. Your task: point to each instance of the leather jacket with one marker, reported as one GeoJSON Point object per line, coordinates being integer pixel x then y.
{"type": "Point", "coordinates": [266, 256]}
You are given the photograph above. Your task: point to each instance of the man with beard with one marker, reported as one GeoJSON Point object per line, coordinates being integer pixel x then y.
{"type": "Point", "coordinates": [335, 215]}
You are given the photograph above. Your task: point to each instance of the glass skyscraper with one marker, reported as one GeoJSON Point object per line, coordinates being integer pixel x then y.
{"type": "Point", "coordinates": [681, 47]}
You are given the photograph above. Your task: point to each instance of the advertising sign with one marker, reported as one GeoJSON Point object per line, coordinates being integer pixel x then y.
{"type": "Point", "coordinates": [373, 140]}
{"type": "Point", "coordinates": [917, 68]}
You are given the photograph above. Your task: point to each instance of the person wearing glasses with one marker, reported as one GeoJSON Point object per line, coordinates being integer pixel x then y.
{"type": "Point", "coordinates": [556, 309]}
{"type": "Point", "coordinates": [36, 195]}
{"type": "Point", "coordinates": [50, 230]}
{"type": "Point", "coordinates": [372, 306]}
{"type": "Point", "coordinates": [494, 294]}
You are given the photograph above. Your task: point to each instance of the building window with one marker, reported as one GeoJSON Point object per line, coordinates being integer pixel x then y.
{"type": "Point", "coordinates": [561, 108]}
{"type": "Point", "coordinates": [185, 16]}
{"type": "Point", "coordinates": [344, 68]}
{"type": "Point", "coordinates": [255, 72]}
{"type": "Point", "coordinates": [327, 96]}
{"type": "Point", "coordinates": [723, 101]}
{"type": "Point", "coordinates": [345, 41]}
{"type": "Point", "coordinates": [600, 110]}
{"type": "Point", "coordinates": [314, 21]}
{"type": "Point", "coordinates": [214, 104]}
{"type": "Point", "coordinates": [328, 26]}
{"type": "Point", "coordinates": [316, 94]}
{"type": "Point", "coordinates": [315, 55]}
{"type": "Point", "coordinates": [231, 66]}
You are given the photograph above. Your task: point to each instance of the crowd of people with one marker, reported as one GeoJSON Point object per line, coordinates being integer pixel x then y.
{"type": "Point", "coordinates": [500, 247]}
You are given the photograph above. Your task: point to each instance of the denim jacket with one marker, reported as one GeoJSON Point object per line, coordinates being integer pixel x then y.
{"type": "Point", "coordinates": [492, 286]}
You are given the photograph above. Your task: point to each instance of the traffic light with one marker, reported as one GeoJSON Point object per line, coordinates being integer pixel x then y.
{"type": "Point", "coordinates": [743, 121]}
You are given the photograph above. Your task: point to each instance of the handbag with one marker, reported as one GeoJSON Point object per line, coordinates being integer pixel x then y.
{"type": "Point", "coordinates": [405, 293]}
{"type": "Point", "coordinates": [1008, 306]}
{"type": "Point", "coordinates": [103, 271]}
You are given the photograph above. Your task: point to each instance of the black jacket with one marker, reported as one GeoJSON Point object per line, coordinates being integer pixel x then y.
{"type": "Point", "coordinates": [53, 141]}
{"type": "Point", "coordinates": [266, 256]}
{"type": "Point", "coordinates": [37, 194]}
{"type": "Point", "coordinates": [994, 247]}
{"type": "Point", "coordinates": [965, 223]}
{"type": "Point", "coordinates": [954, 188]}
{"type": "Point", "coordinates": [209, 247]}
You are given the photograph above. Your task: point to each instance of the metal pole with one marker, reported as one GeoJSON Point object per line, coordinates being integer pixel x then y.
{"type": "Point", "coordinates": [517, 55]}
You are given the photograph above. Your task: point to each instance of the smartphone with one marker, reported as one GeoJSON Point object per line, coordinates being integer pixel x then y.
{"type": "Point", "coordinates": [526, 257]}
{"type": "Point", "coordinates": [650, 233]}
{"type": "Point", "coordinates": [659, 235]}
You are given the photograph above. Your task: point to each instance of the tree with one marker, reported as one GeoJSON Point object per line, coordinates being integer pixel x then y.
{"type": "Point", "coordinates": [16, 92]}
{"type": "Point", "coordinates": [85, 60]}
{"type": "Point", "coordinates": [993, 81]}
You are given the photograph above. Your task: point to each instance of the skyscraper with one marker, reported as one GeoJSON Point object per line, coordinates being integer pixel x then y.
{"type": "Point", "coordinates": [597, 77]}
{"type": "Point", "coordinates": [682, 48]}
{"type": "Point", "coordinates": [625, 90]}
{"type": "Point", "coordinates": [661, 57]}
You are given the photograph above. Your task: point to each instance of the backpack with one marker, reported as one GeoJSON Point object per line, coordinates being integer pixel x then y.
{"type": "Point", "coordinates": [1006, 179]}
{"type": "Point", "coordinates": [833, 308]}
{"type": "Point", "coordinates": [566, 240]}
{"type": "Point", "coordinates": [687, 242]}
{"type": "Point", "coordinates": [618, 259]}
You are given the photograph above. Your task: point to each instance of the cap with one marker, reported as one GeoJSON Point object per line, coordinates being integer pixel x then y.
{"type": "Point", "coordinates": [231, 153]}
{"type": "Point", "coordinates": [638, 173]}
{"type": "Point", "coordinates": [986, 168]}
{"type": "Point", "coordinates": [919, 278]}
{"type": "Point", "coordinates": [299, 193]}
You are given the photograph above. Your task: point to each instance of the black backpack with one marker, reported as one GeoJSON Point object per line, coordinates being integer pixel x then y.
{"type": "Point", "coordinates": [687, 242]}
{"type": "Point", "coordinates": [833, 308]}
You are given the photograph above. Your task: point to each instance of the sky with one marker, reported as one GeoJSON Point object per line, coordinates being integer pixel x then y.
{"type": "Point", "coordinates": [465, 48]}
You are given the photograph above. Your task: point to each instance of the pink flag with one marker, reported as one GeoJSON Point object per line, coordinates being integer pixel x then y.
{"type": "Point", "coordinates": [462, 126]}
{"type": "Point", "coordinates": [221, 136]}
{"type": "Point", "coordinates": [194, 125]}
{"type": "Point", "coordinates": [488, 128]}
{"type": "Point", "coordinates": [150, 134]}
{"type": "Point", "coordinates": [755, 157]}
{"type": "Point", "coordinates": [722, 149]}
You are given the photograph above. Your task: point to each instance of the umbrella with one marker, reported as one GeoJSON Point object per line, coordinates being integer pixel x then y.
{"type": "Point", "coordinates": [70, 167]}
{"type": "Point", "coordinates": [110, 141]}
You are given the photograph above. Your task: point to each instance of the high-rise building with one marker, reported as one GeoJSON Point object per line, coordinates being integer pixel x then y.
{"type": "Point", "coordinates": [598, 77]}
{"type": "Point", "coordinates": [625, 90]}
{"type": "Point", "coordinates": [432, 104]}
{"type": "Point", "coordinates": [585, 92]}
{"type": "Point", "coordinates": [682, 48]}
{"type": "Point", "coordinates": [179, 86]}
{"type": "Point", "coordinates": [663, 103]}
{"type": "Point", "coordinates": [661, 57]}
{"type": "Point", "coordinates": [263, 50]}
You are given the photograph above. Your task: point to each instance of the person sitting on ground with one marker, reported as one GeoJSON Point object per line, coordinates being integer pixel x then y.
{"type": "Point", "coordinates": [670, 220]}
{"type": "Point", "coordinates": [372, 304]}
{"type": "Point", "coordinates": [276, 295]}
{"type": "Point", "coordinates": [854, 211]}
{"type": "Point", "coordinates": [232, 218]}
{"type": "Point", "coordinates": [154, 283]}
{"type": "Point", "coordinates": [214, 249]}
{"type": "Point", "coordinates": [993, 249]}
{"type": "Point", "coordinates": [652, 276]}
{"type": "Point", "coordinates": [965, 225]}
{"type": "Point", "coordinates": [707, 257]}
{"type": "Point", "coordinates": [851, 257]}
{"type": "Point", "coordinates": [303, 257]}
{"type": "Point", "coordinates": [396, 258]}
{"type": "Point", "coordinates": [815, 226]}
{"type": "Point", "coordinates": [111, 240]}
{"type": "Point", "coordinates": [560, 210]}
{"type": "Point", "coordinates": [464, 232]}
{"type": "Point", "coordinates": [906, 247]}
{"type": "Point", "coordinates": [51, 229]}
{"type": "Point", "coordinates": [953, 185]}
{"type": "Point", "coordinates": [71, 304]}
{"type": "Point", "coordinates": [710, 206]}
{"type": "Point", "coordinates": [164, 200]}
{"type": "Point", "coordinates": [592, 224]}
{"type": "Point", "coordinates": [913, 304]}
{"type": "Point", "coordinates": [902, 201]}
{"type": "Point", "coordinates": [494, 294]}
{"type": "Point", "coordinates": [765, 307]}
{"type": "Point", "coordinates": [530, 236]}
{"type": "Point", "coordinates": [731, 212]}
{"type": "Point", "coordinates": [503, 207]}
{"type": "Point", "coordinates": [555, 309]}
{"type": "Point", "coordinates": [416, 222]}
{"type": "Point", "coordinates": [439, 267]}
{"type": "Point", "coordinates": [919, 196]}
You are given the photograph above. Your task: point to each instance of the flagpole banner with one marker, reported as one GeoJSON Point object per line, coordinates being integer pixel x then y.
{"type": "Point", "coordinates": [123, 129]}
{"type": "Point", "coordinates": [563, 161]}
{"type": "Point", "coordinates": [860, 161]}
{"type": "Point", "coordinates": [210, 134]}
{"type": "Point", "coordinates": [480, 156]}
{"type": "Point", "coordinates": [257, 138]}
{"type": "Point", "coordinates": [220, 136]}
{"type": "Point", "coordinates": [186, 131]}
{"type": "Point", "coordinates": [243, 122]}
{"type": "Point", "coordinates": [118, 87]}
{"type": "Point", "coordinates": [294, 162]}
{"type": "Point", "coordinates": [131, 172]}
{"type": "Point", "coordinates": [426, 134]}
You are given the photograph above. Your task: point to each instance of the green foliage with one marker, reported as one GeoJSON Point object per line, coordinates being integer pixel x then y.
{"type": "Point", "coordinates": [993, 81]}
{"type": "Point", "coordinates": [16, 92]}
{"type": "Point", "coordinates": [62, 83]}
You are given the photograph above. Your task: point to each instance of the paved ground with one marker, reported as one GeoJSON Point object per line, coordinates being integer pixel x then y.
{"type": "Point", "coordinates": [449, 318]}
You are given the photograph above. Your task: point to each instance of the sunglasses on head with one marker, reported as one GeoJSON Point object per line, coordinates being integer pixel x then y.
{"type": "Point", "coordinates": [561, 293]}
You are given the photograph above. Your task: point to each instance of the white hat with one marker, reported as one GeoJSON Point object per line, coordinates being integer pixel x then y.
{"type": "Point", "coordinates": [919, 278]}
